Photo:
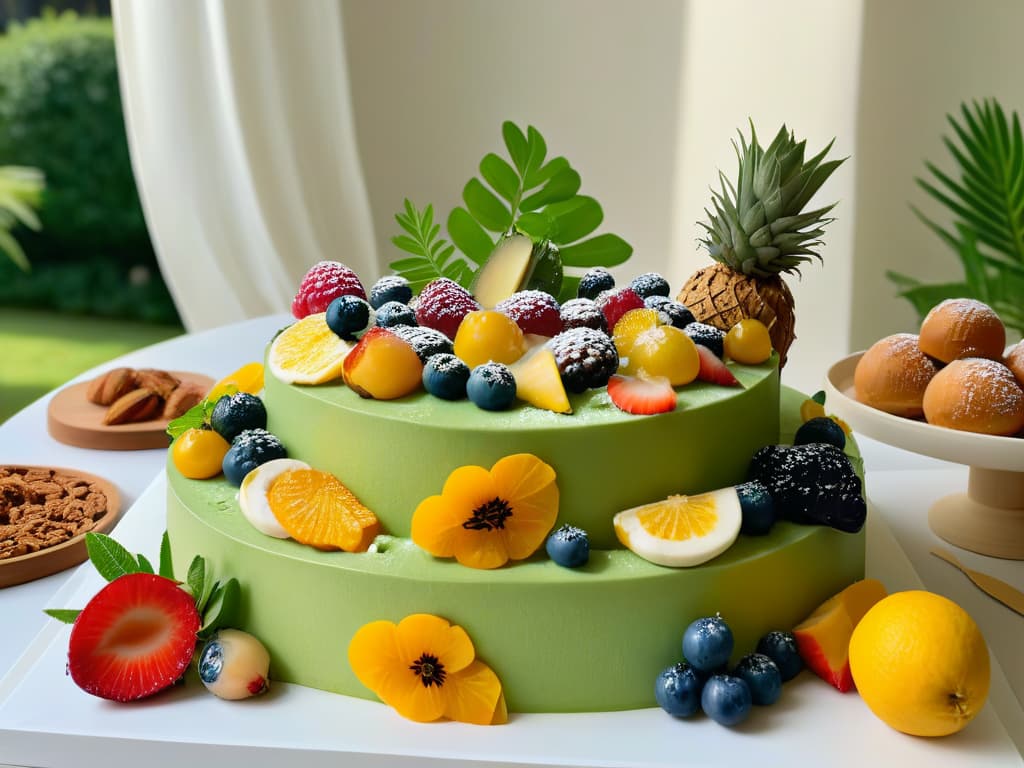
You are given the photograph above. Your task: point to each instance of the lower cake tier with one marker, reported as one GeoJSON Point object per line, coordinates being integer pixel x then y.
{"type": "Point", "coordinates": [561, 640]}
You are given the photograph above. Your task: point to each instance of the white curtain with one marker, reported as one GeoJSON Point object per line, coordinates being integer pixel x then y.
{"type": "Point", "coordinates": [242, 140]}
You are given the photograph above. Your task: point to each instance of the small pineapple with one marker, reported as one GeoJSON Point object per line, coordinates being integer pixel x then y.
{"type": "Point", "coordinates": [756, 233]}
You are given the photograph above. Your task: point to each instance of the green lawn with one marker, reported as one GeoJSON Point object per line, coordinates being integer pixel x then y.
{"type": "Point", "coordinates": [39, 351]}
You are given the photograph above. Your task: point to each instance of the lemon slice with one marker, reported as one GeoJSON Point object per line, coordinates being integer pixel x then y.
{"type": "Point", "coordinates": [308, 352]}
{"type": "Point", "coordinates": [682, 530]}
{"type": "Point", "coordinates": [252, 495]}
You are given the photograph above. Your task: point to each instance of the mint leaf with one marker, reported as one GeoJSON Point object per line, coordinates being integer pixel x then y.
{"type": "Point", "coordinates": [196, 417]}
{"type": "Point", "coordinates": [166, 565]}
{"type": "Point", "coordinates": [110, 558]}
{"type": "Point", "coordinates": [65, 615]}
{"type": "Point", "coordinates": [819, 397]}
{"type": "Point", "coordinates": [196, 578]}
{"type": "Point", "coordinates": [144, 565]}
{"type": "Point", "coordinates": [222, 608]}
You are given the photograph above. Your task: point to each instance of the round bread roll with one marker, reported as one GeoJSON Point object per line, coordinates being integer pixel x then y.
{"type": "Point", "coordinates": [1014, 360]}
{"type": "Point", "coordinates": [975, 395]}
{"type": "Point", "coordinates": [959, 328]}
{"type": "Point", "coordinates": [893, 375]}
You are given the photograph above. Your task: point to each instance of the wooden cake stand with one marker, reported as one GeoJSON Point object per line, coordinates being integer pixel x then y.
{"type": "Point", "coordinates": [989, 517]}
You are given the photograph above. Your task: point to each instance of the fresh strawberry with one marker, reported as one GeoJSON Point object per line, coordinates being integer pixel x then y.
{"type": "Point", "coordinates": [642, 396]}
{"type": "Point", "coordinates": [442, 304]}
{"type": "Point", "coordinates": [134, 638]}
{"type": "Point", "coordinates": [325, 281]}
{"type": "Point", "coordinates": [713, 370]}
{"type": "Point", "coordinates": [615, 303]}
{"type": "Point", "coordinates": [534, 312]}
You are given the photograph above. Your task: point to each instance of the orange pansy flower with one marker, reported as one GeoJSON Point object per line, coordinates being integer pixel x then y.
{"type": "Point", "coordinates": [484, 518]}
{"type": "Point", "coordinates": [426, 669]}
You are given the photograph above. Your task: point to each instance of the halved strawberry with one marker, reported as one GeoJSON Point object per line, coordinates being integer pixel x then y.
{"type": "Point", "coordinates": [642, 396]}
{"type": "Point", "coordinates": [713, 370]}
{"type": "Point", "coordinates": [134, 638]}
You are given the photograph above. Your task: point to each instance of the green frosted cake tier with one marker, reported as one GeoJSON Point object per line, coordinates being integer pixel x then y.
{"type": "Point", "coordinates": [561, 640]}
{"type": "Point", "coordinates": [393, 454]}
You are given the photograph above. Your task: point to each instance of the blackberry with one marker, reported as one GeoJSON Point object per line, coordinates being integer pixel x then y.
{"type": "Point", "coordinates": [586, 358]}
{"type": "Point", "coordinates": [673, 313]}
{"type": "Point", "coordinates": [425, 341]}
{"type": "Point", "coordinates": [708, 336]}
{"type": "Point", "coordinates": [582, 313]}
{"type": "Point", "coordinates": [236, 413]}
{"type": "Point", "coordinates": [593, 282]}
{"type": "Point", "coordinates": [649, 284]}
{"type": "Point", "coordinates": [394, 313]}
{"type": "Point", "coordinates": [390, 288]}
{"type": "Point", "coordinates": [249, 450]}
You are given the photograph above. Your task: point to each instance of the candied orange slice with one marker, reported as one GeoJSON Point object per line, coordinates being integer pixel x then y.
{"type": "Point", "coordinates": [315, 508]}
{"type": "Point", "coordinates": [248, 378]}
{"type": "Point", "coordinates": [308, 352]}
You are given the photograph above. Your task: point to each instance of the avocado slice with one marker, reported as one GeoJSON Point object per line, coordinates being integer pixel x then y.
{"type": "Point", "coordinates": [517, 264]}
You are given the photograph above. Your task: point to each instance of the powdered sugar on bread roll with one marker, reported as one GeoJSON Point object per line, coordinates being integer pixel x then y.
{"type": "Point", "coordinates": [975, 395]}
{"type": "Point", "coordinates": [893, 374]}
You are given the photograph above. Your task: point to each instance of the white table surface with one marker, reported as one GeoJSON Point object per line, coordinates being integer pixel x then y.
{"type": "Point", "coordinates": [46, 721]}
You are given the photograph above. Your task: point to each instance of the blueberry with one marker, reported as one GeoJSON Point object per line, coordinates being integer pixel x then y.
{"type": "Point", "coordinates": [671, 312]}
{"type": "Point", "coordinates": [569, 546]}
{"type": "Point", "coordinates": [349, 317]}
{"type": "Point", "coordinates": [707, 643]}
{"type": "Point", "coordinates": [390, 288]}
{"type": "Point", "coordinates": [394, 313]}
{"type": "Point", "coordinates": [677, 690]}
{"type": "Point", "coordinates": [593, 282]}
{"type": "Point", "coordinates": [726, 699]}
{"type": "Point", "coordinates": [491, 386]}
{"type": "Point", "coordinates": [649, 284]}
{"type": "Point", "coordinates": [248, 450]}
{"type": "Point", "coordinates": [781, 648]}
{"type": "Point", "coordinates": [757, 508]}
{"type": "Point", "coordinates": [820, 429]}
{"type": "Point", "coordinates": [236, 413]}
{"type": "Point", "coordinates": [445, 376]}
{"type": "Point", "coordinates": [707, 335]}
{"type": "Point", "coordinates": [762, 677]}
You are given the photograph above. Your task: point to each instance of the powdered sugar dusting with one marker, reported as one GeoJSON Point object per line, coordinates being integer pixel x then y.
{"type": "Point", "coordinates": [985, 387]}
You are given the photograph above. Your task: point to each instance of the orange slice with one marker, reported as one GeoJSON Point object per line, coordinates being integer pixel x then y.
{"type": "Point", "coordinates": [308, 352]}
{"type": "Point", "coordinates": [248, 378]}
{"type": "Point", "coordinates": [316, 509]}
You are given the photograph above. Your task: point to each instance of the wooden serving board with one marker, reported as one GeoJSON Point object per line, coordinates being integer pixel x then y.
{"type": "Point", "coordinates": [18, 570]}
{"type": "Point", "coordinates": [72, 419]}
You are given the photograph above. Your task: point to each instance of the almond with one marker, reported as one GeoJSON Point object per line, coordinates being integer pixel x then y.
{"type": "Point", "coordinates": [160, 382]}
{"type": "Point", "coordinates": [109, 386]}
{"type": "Point", "coordinates": [182, 398]}
{"type": "Point", "coordinates": [138, 405]}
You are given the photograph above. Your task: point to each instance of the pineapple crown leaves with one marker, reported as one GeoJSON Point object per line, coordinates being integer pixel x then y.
{"type": "Point", "coordinates": [758, 225]}
{"type": "Point", "coordinates": [533, 195]}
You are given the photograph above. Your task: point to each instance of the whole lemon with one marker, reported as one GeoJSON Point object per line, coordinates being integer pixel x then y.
{"type": "Point", "coordinates": [920, 663]}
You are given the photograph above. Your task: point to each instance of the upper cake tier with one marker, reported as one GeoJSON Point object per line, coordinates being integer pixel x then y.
{"type": "Point", "coordinates": [394, 454]}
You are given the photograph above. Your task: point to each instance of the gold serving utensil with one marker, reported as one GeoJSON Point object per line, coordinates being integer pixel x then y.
{"type": "Point", "coordinates": [995, 588]}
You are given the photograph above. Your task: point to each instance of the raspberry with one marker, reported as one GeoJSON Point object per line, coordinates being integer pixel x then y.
{"type": "Point", "coordinates": [534, 312]}
{"type": "Point", "coordinates": [325, 281]}
{"type": "Point", "coordinates": [593, 282]}
{"type": "Point", "coordinates": [586, 358]}
{"type": "Point", "coordinates": [582, 313]}
{"type": "Point", "coordinates": [614, 304]}
{"type": "Point", "coordinates": [442, 304]}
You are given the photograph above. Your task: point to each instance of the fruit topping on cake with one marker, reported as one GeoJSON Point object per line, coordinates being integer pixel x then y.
{"type": "Point", "coordinates": [748, 342]}
{"type": "Point", "coordinates": [383, 366]}
{"type": "Point", "coordinates": [199, 453]}
{"type": "Point", "coordinates": [234, 665]}
{"type": "Point", "coordinates": [649, 284]}
{"type": "Point", "coordinates": [707, 336]}
{"type": "Point", "coordinates": [488, 335]}
{"type": "Point", "coordinates": [233, 414]}
{"type": "Point", "coordinates": [323, 283]}
{"type": "Point", "coordinates": [757, 508]}
{"type": "Point", "coordinates": [820, 429]}
{"type": "Point", "coordinates": [642, 396]}
{"type": "Point", "coordinates": [248, 378]}
{"type": "Point", "coordinates": [445, 376]}
{"type": "Point", "coordinates": [491, 386]}
{"type": "Point", "coordinates": [517, 263]}
{"type": "Point", "coordinates": [442, 304]}
{"type": "Point", "coordinates": [390, 288]}
{"type": "Point", "coordinates": [252, 495]}
{"type": "Point", "coordinates": [756, 232]}
{"type": "Point", "coordinates": [395, 313]}
{"type": "Point", "coordinates": [781, 648]}
{"type": "Point", "coordinates": [425, 342]}
{"type": "Point", "coordinates": [568, 546]}
{"type": "Point", "coordinates": [308, 352]}
{"type": "Point", "coordinates": [681, 531]}
{"type": "Point", "coordinates": [315, 508]}
{"type": "Point", "coordinates": [671, 312]}
{"type": "Point", "coordinates": [484, 518]}
{"type": "Point", "coordinates": [582, 313]}
{"type": "Point", "coordinates": [534, 312]}
{"type": "Point", "coordinates": [824, 637]}
{"type": "Point", "coordinates": [586, 358]}
{"type": "Point", "coordinates": [249, 450]}
{"type": "Point", "coordinates": [713, 370]}
{"type": "Point", "coordinates": [813, 483]}
{"type": "Point", "coordinates": [595, 282]}
{"type": "Point", "coordinates": [134, 638]}
{"type": "Point", "coordinates": [539, 382]}
{"type": "Point", "coordinates": [650, 349]}
{"type": "Point", "coordinates": [615, 303]}
{"type": "Point", "coordinates": [350, 317]}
